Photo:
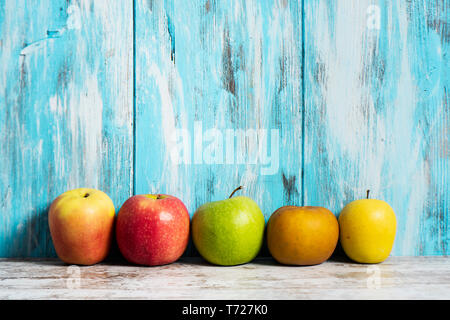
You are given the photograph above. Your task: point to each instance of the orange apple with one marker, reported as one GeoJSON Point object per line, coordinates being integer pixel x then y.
{"type": "Point", "coordinates": [302, 235]}
{"type": "Point", "coordinates": [81, 225]}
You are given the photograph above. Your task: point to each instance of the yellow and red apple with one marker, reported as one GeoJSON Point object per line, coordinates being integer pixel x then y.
{"type": "Point", "coordinates": [152, 229]}
{"type": "Point", "coordinates": [81, 225]}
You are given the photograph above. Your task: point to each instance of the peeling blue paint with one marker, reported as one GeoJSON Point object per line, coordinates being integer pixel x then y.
{"type": "Point", "coordinates": [91, 95]}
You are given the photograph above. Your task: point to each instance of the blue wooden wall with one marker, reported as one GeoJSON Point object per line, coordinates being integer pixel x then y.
{"type": "Point", "coordinates": [340, 96]}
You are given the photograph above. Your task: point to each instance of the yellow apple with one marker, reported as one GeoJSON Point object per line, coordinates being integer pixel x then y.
{"type": "Point", "coordinates": [367, 230]}
{"type": "Point", "coordinates": [81, 225]}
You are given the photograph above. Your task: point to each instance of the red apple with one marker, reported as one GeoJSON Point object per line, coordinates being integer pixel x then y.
{"type": "Point", "coordinates": [81, 225]}
{"type": "Point", "coordinates": [152, 229]}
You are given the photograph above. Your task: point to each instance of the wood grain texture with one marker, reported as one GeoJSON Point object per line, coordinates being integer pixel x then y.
{"type": "Point", "coordinates": [192, 278]}
{"type": "Point", "coordinates": [377, 114]}
{"type": "Point", "coordinates": [66, 96]}
{"type": "Point", "coordinates": [219, 66]}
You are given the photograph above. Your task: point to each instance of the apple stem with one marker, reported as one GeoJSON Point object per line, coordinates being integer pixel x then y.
{"type": "Point", "coordinates": [158, 197]}
{"type": "Point", "coordinates": [86, 195]}
{"type": "Point", "coordinates": [367, 194]}
{"type": "Point", "coordinates": [238, 188]}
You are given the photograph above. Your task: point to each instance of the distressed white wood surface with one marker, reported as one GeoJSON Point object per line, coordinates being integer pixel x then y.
{"type": "Point", "coordinates": [192, 278]}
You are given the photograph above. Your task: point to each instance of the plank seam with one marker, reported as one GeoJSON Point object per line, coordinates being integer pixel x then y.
{"type": "Point", "coordinates": [303, 103]}
{"type": "Point", "coordinates": [133, 174]}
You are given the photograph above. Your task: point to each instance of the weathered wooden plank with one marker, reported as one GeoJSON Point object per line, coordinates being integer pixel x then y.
{"type": "Point", "coordinates": [192, 278]}
{"type": "Point", "coordinates": [210, 66]}
{"type": "Point", "coordinates": [66, 90]}
{"type": "Point", "coordinates": [377, 114]}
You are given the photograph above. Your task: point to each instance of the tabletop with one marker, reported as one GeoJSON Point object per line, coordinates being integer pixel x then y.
{"type": "Point", "coordinates": [193, 278]}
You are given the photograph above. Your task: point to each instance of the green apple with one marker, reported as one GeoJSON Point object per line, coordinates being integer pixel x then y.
{"type": "Point", "coordinates": [228, 232]}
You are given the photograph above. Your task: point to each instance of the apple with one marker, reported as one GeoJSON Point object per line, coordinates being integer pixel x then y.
{"type": "Point", "coordinates": [81, 225]}
{"type": "Point", "coordinates": [302, 235]}
{"type": "Point", "coordinates": [367, 230]}
{"type": "Point", "coordinates": [228, 232]}
{"type": "Point", "coordinates": [152, 229]}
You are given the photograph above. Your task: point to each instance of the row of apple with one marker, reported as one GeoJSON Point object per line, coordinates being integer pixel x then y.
{"type": "Point", "coordinates": [154, 230]}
